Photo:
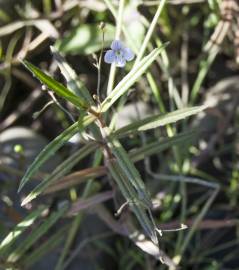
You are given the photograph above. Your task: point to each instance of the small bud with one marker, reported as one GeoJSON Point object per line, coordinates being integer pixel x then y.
{"type": "Point", "coordinates": [96, 98]}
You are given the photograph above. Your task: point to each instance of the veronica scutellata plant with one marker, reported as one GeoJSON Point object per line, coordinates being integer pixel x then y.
{"type": "Point", "coordinates": [94, 117]}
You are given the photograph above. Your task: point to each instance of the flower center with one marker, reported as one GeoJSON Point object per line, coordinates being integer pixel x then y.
{"type": "Point", "coordinates": [118, 53]}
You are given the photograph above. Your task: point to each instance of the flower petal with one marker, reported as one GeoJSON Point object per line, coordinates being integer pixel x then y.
{"type": "Point", "coordinates": [120, 61]}
{"type": "Point", "coordinates": [117, 45]}
{"type": "Point", "coordinates": [110, 57]}
{"type": "Point", "coordinates": [128, 54]}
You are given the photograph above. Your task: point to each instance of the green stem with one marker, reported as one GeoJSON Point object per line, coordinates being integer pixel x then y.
{"type": "Point", "coordinates": [205, 65]}
{"type": "Point", "coordinates": [150, 32]}
{"type": "Point", "coordinates": [119, 21]}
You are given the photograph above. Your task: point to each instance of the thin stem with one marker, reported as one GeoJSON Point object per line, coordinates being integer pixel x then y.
{"type": "Point", "coordinates": [119, 23]}
{"type": "Point", "coordinates": [150, 31]}
{"type": "Point", "coordinates": [205, 65]}
{"type": "Point", "coordinates": [99, 65]}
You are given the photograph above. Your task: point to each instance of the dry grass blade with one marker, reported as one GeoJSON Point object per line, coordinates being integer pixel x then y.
{"type": "Point", "coordinates": [89, 202]}
{"type": "Point", "coordinates": [43, 25]}
{"type": "Point", "coordinates": [76, 179]}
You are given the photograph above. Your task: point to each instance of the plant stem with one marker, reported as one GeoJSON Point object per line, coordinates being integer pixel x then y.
{"type": "Point", "coordinates": [117, 37]}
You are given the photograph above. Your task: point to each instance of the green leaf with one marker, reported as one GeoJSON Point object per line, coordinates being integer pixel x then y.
{"type": "Point", "coordinates": [57, 87]}
{"type": "Point", "coordinates": [73, 82]}
{"type": "Point", "coordinates": [160, 145]}
{"type": "Point", "coordinates": [135, 155]}
{"type": "Point", "coordinates": [129, 169]}
{"type": "Point", "coordinates": [85, 39]}
{"type": "Point", "coordinates": [130, 79]}
{"type": "Point", "coordinates": [132, 198]}
{"type": "Point", "coordinates": [158, 120]}
{"type": "Point", "coordinates": [19, 229]}
{"type": "Point", "coordinates": [53, 146]}
{"type": "Point", "coordinates": [171, 117]}
{"type": "Point", "coordinates": [35, 235]}
{"type": "Point", "coordinates": [60, 170]}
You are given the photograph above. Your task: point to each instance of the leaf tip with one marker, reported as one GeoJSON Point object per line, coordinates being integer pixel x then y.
{"type": "Point", "coordinates": [19, 188]}
{"type": "Point", "coordinates": [23, 203]}
{"type": "Point", "coordinates": [53, 49]}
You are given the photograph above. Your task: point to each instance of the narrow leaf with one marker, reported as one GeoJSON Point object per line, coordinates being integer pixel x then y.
{"type": "Point", "coordinates": [130, 79]}
{"type": "Point", "coordinates": [59, 171]}
{"type": "Point", "coordinates": [53, 146]}
{"type": "Point", "coordinates": [160, 145]}
{"type": "Point", "coordinates": [132, 198]}
{"type": "Point", "coordinates": [158, 120]}
{"type": "Point", "coordinates": [19, 229]}
{"type": "Point", "coordinates": [129, 169]}
{"type": "Point", "coordinates": [57, 87]}
{"type": "Point", "coordinates": [73, 82]}
{"type": "Point", "coordinates": [171, 117]}
{"type": "Point", "coordinates": [135, 155]}
{"type": "Point", "coordinates": [48, 151]}
{"type": "Point", "coordinates": [35, 235]}
{"type": "Point", "coordinates": [81, 204]}
{"type": "Point", "coordinates": [76, 178]}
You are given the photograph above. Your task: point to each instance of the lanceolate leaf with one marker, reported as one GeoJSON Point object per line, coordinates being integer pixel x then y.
{"type": "Point", "coordinates": [19, 229]}
{"type": "Point", "coordinates": [57, 87]}
{"type": "Point", "coordinates": [129, 169]}
{"type": "Point", "coordinates": [171, 117]}
{"type": "Point", "coordinates": [158, 120]}
{"type": "Point", "coordinates": [60, 170]}
{"type": "Point", "coordinates": [36, 234]}
{"type": "Point", "coordinates": [53, 146]}
{"type": "Point", "coordinates": [131, 197]}
{"type": "Point", "coordinates": [72, 80]}
{"type": "Point", "coordinates": [130, 79]}
{"type": "Point", "coordinates": [135, 155]}
{"type": "Point", "coordinates": [48, 151]}
{"type": "Point", "coordinates": [160, 145]}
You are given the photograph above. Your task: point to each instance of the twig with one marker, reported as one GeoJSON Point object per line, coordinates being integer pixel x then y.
{"type": "Point", "coordinates": [81, 204]}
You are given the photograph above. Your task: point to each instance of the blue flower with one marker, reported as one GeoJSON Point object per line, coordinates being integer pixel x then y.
{"type": "Point", "coordinates": [118, 54]}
